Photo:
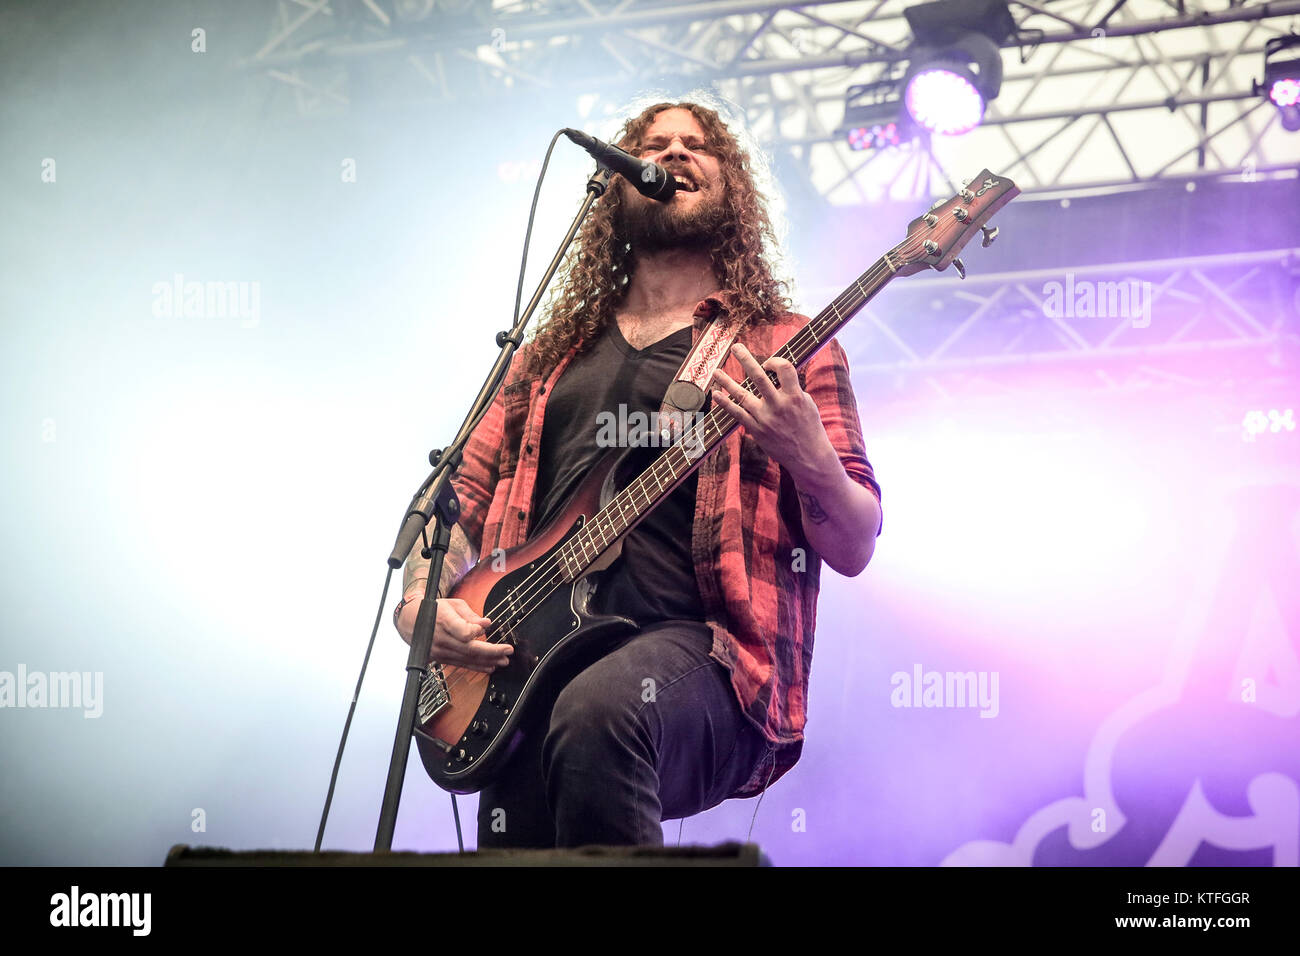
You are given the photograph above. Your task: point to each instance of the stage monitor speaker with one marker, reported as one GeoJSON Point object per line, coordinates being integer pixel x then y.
{"type": "Point", "coordinates": [724, 854]}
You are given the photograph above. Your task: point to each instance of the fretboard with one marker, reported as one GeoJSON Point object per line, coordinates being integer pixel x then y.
{"type": "Point", "coordinates": [675, 464]}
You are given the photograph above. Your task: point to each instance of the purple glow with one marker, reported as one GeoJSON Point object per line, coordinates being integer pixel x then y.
{"type": "Point", "coordinates": [873, 137]}
{"type": "Point", "coordinates": [944, 101]}
{"type": "Point", "coordinates": [1107, 621]}
{"type": "Point", "coordinates": [1285, 92]}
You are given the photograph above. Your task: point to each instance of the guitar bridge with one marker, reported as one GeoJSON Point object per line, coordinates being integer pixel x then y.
{"type": "Point", "coordinates": [434, 695]}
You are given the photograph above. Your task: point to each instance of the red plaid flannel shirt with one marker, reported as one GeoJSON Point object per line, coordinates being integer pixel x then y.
{"type": "Point", "coordinates": [757, 574]}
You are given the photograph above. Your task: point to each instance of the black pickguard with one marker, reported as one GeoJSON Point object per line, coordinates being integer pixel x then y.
{"type": "Point", "coordinates": [554, 643]}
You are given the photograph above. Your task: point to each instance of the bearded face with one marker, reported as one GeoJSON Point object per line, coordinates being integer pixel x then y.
{"type": "Point", "coordinates": [694, 218]}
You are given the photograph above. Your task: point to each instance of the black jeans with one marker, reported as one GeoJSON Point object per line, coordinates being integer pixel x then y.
{"type": "Point", "coordinates": [650, 732]}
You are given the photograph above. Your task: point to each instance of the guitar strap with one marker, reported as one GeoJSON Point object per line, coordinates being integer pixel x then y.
{"type": "Point", "coordinates": [686, 393]}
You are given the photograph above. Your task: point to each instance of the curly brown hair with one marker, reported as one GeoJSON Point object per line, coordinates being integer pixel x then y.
{"type": "Point", "coordinates": [598, 268]}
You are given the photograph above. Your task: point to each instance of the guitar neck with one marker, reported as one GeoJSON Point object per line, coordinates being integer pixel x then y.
{"type": "Point", "coordinates": [671, 468]}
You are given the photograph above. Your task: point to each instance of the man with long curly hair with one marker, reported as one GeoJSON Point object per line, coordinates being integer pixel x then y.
{"type": "Point", "coordinates": [707, 700]}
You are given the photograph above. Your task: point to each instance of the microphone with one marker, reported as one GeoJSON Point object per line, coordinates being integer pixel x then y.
{"type": "Point", "coordinates": [650, 179]}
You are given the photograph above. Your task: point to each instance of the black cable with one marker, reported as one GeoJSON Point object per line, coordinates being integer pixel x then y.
{"type": "Point", "coordinates": [347, 724]}
{"type": "Point", "coordinates": [455, 812]}
{"type": "Point", "coordinates": [519, 288]}
{"type": "Point", "coordinates": [762, 793]}
{"type": "Point", "coordinates": [383, 599]}
{"type": "Point", "coordinates": [528, 233]}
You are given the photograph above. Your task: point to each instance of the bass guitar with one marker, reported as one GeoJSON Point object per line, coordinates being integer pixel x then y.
{"type": "Point", "coordinates": [538, 595]}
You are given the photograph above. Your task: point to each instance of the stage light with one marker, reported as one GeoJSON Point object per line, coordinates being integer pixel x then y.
{"type": "Point", "coordinates": [871, 116]}
{"type": "Point", "coordinates": [943, 98]}
{"type": "Point", "coordinates": [946, 89]}
{"type": "Point", "coordinates": [873, 137]}
{"type": "Point", "coordinates": [1285, 92]}
{"type": "Point", "coordinates": [955, 62]}
{"type": "Point", "coordinates": [1282, 80]}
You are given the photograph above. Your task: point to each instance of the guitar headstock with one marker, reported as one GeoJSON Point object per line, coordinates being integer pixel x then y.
{"type": "Point", "coordinates": [934, 239]}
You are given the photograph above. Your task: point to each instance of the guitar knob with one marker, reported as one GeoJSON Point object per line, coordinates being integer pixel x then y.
{"type": "Point", "coordinates": [960, 267]}
{"type": "Point", "coordinates": [989, 235]}
{"type": "Point", "coordinates": [478, 728]}
{"type": "Point", "coordinates": [460, 756]}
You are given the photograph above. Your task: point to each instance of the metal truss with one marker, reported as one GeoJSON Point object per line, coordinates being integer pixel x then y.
{"type": "Point", "coordinates": [1104, 327]}
{"type": "Point", "coordinates": [1097, 93]}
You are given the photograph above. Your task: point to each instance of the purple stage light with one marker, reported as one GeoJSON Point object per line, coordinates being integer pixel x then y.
{"type": "Point", "coordinates": [944, 101]}
{"type": "Point", "coordinates": [1285, 92]}
{"type": "Point", "coordinates": [1282, 79]}
{"type": "Point", "coordinates": [873, 137]}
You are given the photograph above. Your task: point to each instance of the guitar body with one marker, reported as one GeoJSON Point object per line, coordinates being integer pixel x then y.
{"type": "Point", "coordinates": [485, 716]}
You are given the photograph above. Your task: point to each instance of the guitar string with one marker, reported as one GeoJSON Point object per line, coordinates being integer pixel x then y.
{"type": "Point", "coordinates": [523, 595]}
{"type": "Point", "coordinates": [908, 246]}
{"type": "Point", "coordinates": [719, 421]}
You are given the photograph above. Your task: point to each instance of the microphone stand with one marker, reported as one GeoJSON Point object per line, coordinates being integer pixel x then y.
{"type": "Point", "coordinates": [436, 502]}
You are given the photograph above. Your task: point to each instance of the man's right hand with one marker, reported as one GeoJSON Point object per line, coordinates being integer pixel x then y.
{"type": "Point", "coordinates": [459, 636]}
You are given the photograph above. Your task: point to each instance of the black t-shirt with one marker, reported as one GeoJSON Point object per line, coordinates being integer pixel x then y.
{"type": "Point", "coordinates": [654, 578]}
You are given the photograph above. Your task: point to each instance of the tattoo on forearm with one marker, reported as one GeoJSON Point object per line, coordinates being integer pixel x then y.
{"type": "Point", "coordinates": [812, 509]}
{"type": "Point", "coordinates": [455, 563]}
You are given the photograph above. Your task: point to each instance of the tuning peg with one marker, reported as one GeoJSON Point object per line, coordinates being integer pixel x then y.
{"type": "Point", "coordinates": [937, 203]}
{"type": "Point", "coordinates": [989, 235]}
{"type": "Point", "coordinates": [960, 267]}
